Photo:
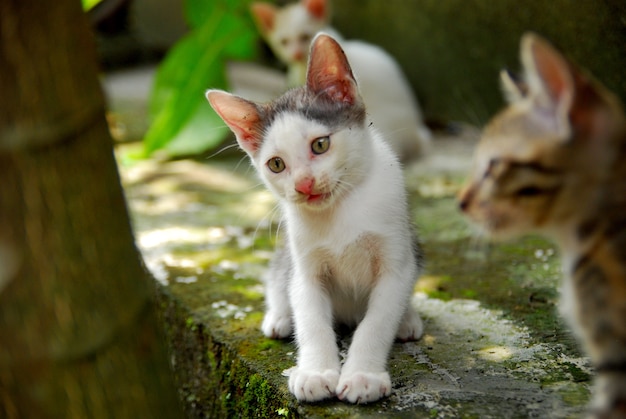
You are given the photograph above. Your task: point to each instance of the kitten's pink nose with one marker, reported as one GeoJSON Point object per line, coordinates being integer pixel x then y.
{"type": "Point", "coordinates": [305, 186]}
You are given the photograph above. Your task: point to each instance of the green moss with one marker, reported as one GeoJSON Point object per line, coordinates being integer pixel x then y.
{"type": "Point", "coordinates": [191, 324]}
{"type": "Point", "coordinates": [567, 372]}
{"type": "Point", "coordinates": [240, 371]}
{"type": "Point", "coordinates": [227, 368]}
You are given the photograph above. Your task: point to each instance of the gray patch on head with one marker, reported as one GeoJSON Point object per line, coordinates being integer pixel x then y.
{"type": "Point", "coordinates": [333, 114]}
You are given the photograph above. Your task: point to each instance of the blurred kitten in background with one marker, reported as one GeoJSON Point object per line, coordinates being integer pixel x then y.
{"type": "Point", "coordinates": [553, 162]}
{"type": "Point", "coordinates": [389, 99]}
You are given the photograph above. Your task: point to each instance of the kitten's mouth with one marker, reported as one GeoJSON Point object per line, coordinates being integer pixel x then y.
{"type": "Point", "coordinates": [315, 198]}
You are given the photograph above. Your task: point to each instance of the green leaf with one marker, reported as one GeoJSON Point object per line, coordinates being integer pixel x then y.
{"type": "Point", "coordinates": [199, 11]}
{"type": "Point", "coordinates": [89, 4]}
{"type": "Point", "coordinates": [205, 130]}
{"type": "Point", "coordinates": [177, 104]}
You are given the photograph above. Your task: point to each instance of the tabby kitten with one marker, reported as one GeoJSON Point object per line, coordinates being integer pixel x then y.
{"type": "Point", "coordinates": [351, 255]}
{"type": "Point", "coordinates": [387, 94]}
{"type": "Point", "coordinates": [552, 162]}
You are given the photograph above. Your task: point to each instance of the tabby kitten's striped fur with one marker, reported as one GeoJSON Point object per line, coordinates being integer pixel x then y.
{"type": "Point", "coordinates": [554, 162]}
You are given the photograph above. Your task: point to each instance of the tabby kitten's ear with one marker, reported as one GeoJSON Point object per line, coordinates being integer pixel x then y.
{"type": "Point", "coordinates": [242, 116]}
{"type": "Point", "coordinates": [550, 82]}
{"type": "Point", "coordinates": [329, 74]}
{"type": "Point", "coordinates": [513, 89]}
{"type": "Point", "coordinates": [264, 16]}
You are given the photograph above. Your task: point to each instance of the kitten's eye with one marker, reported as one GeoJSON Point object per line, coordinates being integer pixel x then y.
{"type": "Point", "coordinates": [276, 164]}
{"type": "Point", "coordinates": [305, 38]}
{"type": "Point", "coordinates": [529, 191]}
{"type": "Point", "coordinates": [284, 42]}
{"type": "Point", "coordinates": [493, 165]}
{"type": "Point", "coordinates": [320, 145]}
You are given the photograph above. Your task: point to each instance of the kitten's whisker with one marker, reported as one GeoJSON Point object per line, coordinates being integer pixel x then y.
{"type": "Point", "coordinates": [278, 228]}
{"type": "Point", "coordinates": [395, 131]}
{"type": "Point", "coordinates": [269, 217]}
{"type": "Point", "coordinates": [244, 157]}
{"type": "Point", "coordinates": [221, 150]}
{"type": "Point", "coordinates": [470, 111]}
{"type": "Point", "coordinates": [255, 186]}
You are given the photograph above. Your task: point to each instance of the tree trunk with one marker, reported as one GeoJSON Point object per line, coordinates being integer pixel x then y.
{"type": "Point", "coordinates": [78, 332]}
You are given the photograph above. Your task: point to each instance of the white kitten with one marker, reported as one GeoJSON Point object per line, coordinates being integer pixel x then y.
{"type": "Point", "coordinates": [386, 92]}
{"type": "Point", "coordinates": [351, 253]}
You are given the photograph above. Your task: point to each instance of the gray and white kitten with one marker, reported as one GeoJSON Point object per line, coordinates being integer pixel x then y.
{"type": "Point", "coordinates": [351, 256]}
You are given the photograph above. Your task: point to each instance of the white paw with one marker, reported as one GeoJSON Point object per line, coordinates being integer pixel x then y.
{"type": "Point", "coordinates": [311, 386]}
{"type": "Point", "coordinates": [411, 327]}
{"type": "Point", "coordinates": [277, 326]}
{"type": "Point", "coordinates": [364, 387]}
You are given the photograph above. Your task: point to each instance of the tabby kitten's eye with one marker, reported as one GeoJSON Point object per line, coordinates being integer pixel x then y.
{"type": "Point", "coordinates": [320, 145]}
{"type": "Point", "coordinates": [529, 191]}
{"type": "Point", "coordinates": [276, 164]}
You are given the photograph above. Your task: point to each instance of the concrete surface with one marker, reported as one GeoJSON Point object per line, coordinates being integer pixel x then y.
{"type": "Point", "coordinates": [494, 345]}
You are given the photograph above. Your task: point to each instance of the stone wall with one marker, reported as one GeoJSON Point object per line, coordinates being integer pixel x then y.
{"type": "Point", "coordinates": [452, 50]}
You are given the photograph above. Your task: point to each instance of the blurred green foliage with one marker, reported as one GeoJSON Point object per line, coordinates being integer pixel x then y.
{"type": "Point", "coordinates": [89, 4]}
{"type": "Point", "coordinates": [183, 123]}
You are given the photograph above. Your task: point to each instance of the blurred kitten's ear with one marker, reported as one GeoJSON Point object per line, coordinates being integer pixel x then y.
{"type": "Point", "coordinates": [318, 8]}
{"type": "Point", "coordinates": [329, 73]}
{"type": "Point", "coordinates": [513, 89]}
{"type": "Point", "coordinates": [550, 79]}
{"type": "Point", "coordinates": [242, 117]}
{"type": "Point", "coordinates": [264, 16]}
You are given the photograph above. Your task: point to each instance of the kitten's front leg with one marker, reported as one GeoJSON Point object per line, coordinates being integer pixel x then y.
{"type": "Point", "coordinates": [610, 394]}
{"type": "Point", "coordinates": [277, 322]}
{"type": "Point", "coordinates": [411, 327]}
{"type": "Point", "coordinates": [316, 375]}
{"type": "Point", "coordinates": [364, 377]}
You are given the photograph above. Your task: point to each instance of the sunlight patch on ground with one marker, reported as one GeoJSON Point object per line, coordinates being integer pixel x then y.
{"type": "Point", "coordinates": [476, 333]}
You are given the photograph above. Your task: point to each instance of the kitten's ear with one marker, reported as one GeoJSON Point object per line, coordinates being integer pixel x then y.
{"type": "Point", "coordinates": [550, 78]}
{"type": "Point", "coordinates": [242, 117]}
{"type": "Point", "coordinates": [264, 16]}
{"type": "Point", "coordinates": [318, 8]}
{"type": "Point", "coordinates": [513, 89]}
{"type": "Point", "coordinates": [329, 73]}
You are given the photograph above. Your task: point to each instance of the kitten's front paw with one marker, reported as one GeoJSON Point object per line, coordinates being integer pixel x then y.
{"type": "Point", "coordinates": [277, 326]}
{"type": "Point", "coordinates": [411, 327]}
{"type": "Point", "coordinates": [312, 386]}
{"type": "Point", "coordinates": [364, 387]}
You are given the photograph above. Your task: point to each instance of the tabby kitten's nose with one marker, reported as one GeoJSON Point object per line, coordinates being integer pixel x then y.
{"type": "Point", "coordinates": [464, 199]}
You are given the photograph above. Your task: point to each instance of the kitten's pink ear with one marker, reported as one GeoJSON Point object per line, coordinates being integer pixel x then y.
{"type": "Point", "coordinates": [329, 72]}
{"type": "Point", "coordinates": [514, 90]}
{"type": "Point", "coordinates": [241, 116]}
{"type": "Point", "coordinates": [264, 16]}
{"type": "Point", "coordinates": [549, 77]}
{"type": "Point", "coordinates": [318, 8]}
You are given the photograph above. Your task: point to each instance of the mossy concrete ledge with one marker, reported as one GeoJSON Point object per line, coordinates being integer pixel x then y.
{"type": "Point", "coordinates": [494, 345]}
{"type": "Point", "coordinates": [226, 368]}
